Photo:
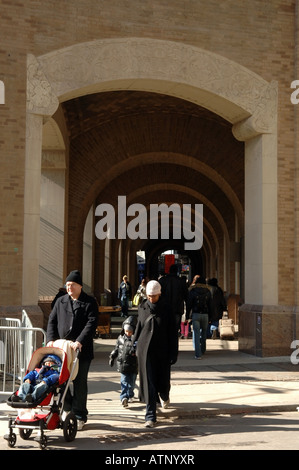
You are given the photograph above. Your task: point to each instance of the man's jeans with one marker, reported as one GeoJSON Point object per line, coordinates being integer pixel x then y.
{"type": "Point", "coordinates": [200, 324]}
{"type": "Point", "coordinates": [124, 306]}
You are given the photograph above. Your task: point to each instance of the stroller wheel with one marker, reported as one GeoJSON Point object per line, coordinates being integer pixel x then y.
{"type": "Point", "coordinates": [25, 433]}
{"type": "Point", "coordinates": [70, 427]}
{"type": "Point", "coordinates": [43, 442]}
{"type": "Point", "coordinates": [11, 439]}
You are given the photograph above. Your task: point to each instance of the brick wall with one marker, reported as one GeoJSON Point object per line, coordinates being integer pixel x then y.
{"type": "Point", "coordinates": [254, 33]}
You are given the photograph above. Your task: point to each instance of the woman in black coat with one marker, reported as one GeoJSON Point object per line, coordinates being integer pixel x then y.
{"type": "Point", "coordinates": [157, 348]}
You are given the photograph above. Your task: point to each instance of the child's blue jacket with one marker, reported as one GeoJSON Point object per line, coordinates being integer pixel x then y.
{"type": "Point", "coordinates": [49, 376]}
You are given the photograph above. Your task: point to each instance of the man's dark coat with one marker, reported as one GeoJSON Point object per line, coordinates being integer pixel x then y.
{"type": "Point", "coordinates": [74, 323]}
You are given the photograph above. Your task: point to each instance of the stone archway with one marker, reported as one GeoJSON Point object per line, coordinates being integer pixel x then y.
{"type": "Point", "coordinates": [211, 81]}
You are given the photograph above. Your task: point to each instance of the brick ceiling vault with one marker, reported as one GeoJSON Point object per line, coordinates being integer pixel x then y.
{"type": "Point", "coordinates": [152, 148]}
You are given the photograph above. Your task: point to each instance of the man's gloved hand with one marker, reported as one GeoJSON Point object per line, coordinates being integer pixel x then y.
{"type": "Point", "coordinates": [111, 362]}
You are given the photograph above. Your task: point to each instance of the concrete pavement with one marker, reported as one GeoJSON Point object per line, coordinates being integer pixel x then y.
{"type": "Point", "coordinates": [225, 381]}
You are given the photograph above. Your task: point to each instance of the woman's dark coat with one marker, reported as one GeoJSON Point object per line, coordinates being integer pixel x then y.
{"type": "Point", "coordinates": [218, 304]}
{"type": "Point", "coordinates": [77, 323]}
{"type": "Point", "coordinates": [157, 341]}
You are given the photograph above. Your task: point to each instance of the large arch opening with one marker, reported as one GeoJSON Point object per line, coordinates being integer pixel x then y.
{"type": "Point", "coordinates": [134, 115]}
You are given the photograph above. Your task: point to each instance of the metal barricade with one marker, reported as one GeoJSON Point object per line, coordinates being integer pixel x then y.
{"type": "Point", "coordinates": [18, 341]}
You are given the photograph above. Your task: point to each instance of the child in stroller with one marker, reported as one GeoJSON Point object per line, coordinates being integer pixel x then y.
{"type": "Point", "coordinates": [38, 381]}
{"type": "Point", "coordinates": [43, 409]}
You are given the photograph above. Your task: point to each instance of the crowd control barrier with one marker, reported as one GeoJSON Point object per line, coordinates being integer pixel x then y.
{"type": "Point", "coordinates": [18, 340]}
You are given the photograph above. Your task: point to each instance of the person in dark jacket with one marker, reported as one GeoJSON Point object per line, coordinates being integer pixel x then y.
{"type": "Point", "coordinates": [218, 306]}
{"type": "Point", "coordinates": [199, 302]}
{"type": "Point", "coordinates": [157, 349]}
{"type": "Point", "coordinates": [175, 291]}
{"type": "Point", "coordinates": [60, 293]}
{"type": "Point", "coordinates": [125, 295]}
{"type": "Point", "coordinates": [126, 360]}
{"type": "Point", "coordinates": [74, 317]}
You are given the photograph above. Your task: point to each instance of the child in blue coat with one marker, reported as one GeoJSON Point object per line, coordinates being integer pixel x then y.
{"type": "Point", "coordinates": [37, 381]}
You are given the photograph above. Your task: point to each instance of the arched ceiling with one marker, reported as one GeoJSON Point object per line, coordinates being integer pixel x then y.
{"type": "Point", "coordinates": [145, 145]}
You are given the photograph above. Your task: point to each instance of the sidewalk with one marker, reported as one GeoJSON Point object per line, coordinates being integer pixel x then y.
{"type": "Point", "coordinates": [225, 381]}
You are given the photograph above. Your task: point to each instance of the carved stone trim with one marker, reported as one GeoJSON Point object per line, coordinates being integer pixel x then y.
{"type": "Point", "coordinates": [185, 71]}
{"type": "Point", "coordinates": [264, 118]}
{"type": "Point", "coordinates": [40, 97]}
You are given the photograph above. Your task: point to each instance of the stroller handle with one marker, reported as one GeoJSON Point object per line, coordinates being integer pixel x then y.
{"type": "Point", "coordinates": [70, 379]}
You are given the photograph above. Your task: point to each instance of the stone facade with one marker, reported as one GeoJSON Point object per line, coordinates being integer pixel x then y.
{"type": "Point", "coordinates": [216, 71]}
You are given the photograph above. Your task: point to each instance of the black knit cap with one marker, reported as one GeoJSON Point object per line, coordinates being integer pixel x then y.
{"type": "Point", "coordinates": [74, 276]}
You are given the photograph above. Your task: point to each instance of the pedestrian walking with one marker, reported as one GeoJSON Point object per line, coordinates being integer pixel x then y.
{"type": "Point", "coordinates": [218, 306]}
{"type": "Point", "coordinates": [142, 290]}
{"type": "Point", "coordinates": [125, 295]}
{"type": "Point", "coordinates": [126, 360]}
{"type": "Point", "coordinates": [174, 289]}
{"type": "Point", "coordinates": [74, 317]}
{"type": "Point", "coordinates": [157, 349]}
{"type": "Point", "coordinates": [199, 303]}
{"type": "Point", "coordinates": [60, 293]}
{"type": "Point", "coordinates": [184, 327]}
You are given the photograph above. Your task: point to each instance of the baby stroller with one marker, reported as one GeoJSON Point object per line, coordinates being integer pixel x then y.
{"type": "Point", "coordinates": [46, 412]}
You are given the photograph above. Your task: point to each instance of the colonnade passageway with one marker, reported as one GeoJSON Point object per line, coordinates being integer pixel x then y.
{"type": "Point", "coordinates": [122, 146]}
